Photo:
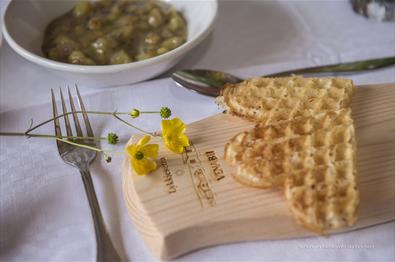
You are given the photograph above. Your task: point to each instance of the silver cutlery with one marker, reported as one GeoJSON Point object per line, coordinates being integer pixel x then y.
{"type": "Point", "coordinates": [81, 158]}
{"type": "Point", "coordinates": [210, 82]}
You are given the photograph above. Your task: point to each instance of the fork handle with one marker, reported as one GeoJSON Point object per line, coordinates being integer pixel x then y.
{"type": "Point", "coordinates": [105, 248]}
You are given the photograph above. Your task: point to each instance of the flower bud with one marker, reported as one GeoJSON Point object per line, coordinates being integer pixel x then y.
{"type": "Point", "coordinates": [107, 158]}
{"type": "Point", "coordinates": [135, 113]}
{"type": "Point", "coordinates": [165, 112]}
{"type": "Point", "coordinates": [112, 138]}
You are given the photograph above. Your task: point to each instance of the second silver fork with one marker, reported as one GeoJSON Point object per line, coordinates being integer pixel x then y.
{"type": "Point", "coordinates": [81, 158]}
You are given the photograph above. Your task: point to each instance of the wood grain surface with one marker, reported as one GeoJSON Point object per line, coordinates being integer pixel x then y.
{"type": "Point", "coordinates": [191, 201]}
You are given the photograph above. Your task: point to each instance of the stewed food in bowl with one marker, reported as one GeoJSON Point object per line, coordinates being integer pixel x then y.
{"type": "Point", "coordinates": [109, 32]}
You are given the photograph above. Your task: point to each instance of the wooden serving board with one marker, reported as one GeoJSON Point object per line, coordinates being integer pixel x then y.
{"type": "Point", "coordinates": [191, 201]}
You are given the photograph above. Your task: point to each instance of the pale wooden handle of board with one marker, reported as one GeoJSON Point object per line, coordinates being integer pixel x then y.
{"type": "Point", "coordinates": [179, 208]}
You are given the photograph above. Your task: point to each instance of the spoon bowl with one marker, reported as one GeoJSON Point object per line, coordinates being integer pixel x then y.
{"type": "Point", "coordinates": [207, 82]}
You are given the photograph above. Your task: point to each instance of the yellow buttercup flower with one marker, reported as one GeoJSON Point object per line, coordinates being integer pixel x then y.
{"type": "Point", "coordinates": [173, 132]}
{"type": "Point", "coordinates": [143, 156]}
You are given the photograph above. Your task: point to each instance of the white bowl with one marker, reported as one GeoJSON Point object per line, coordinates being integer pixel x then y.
{"type": "Point", "coordinates": [24, 22]}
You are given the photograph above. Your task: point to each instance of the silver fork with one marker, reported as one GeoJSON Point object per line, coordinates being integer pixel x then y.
{"type": "Point", "coordinates": [81, 158]}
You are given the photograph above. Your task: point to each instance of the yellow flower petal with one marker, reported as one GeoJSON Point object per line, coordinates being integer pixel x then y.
{"type": "Point", "coordinates": [175, 148]}
{"type": "Point", "coordinates": [172, 126]}
{"type": "Point", "coordinates": [143, 166]}
{"type": "Point", "coordinates": [173, 135]}
{"type": "Point", "coordinates": [178, 126]}
{"type": "Point", "coordinates": [183, 140]}
{"type": "Point", "coordinates": [177, 144]}
{"type": "Point", "coordinates": [131, 150]}
{"type": "Point", "coordinates": [144, 140]}
{"type": "Point", "coordinates": [150, 151]}
{"type": "Point", "coordinates": [143, 163]}
{"type": "Point", "coordinates": [166, 126]}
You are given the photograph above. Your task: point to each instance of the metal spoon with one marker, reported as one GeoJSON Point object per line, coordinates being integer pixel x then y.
{"type": "Point", "coordinates": [210, 82]}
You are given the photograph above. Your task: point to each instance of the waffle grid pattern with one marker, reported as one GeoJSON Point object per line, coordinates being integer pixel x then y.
{"type": "Point", "coordinates": [270, 100]}
{"type": "Point", "coordinates": [263, 155]}
{"type": "Point", "coordinates": [307, 147]}
{"type": "Point", "coordinates": [324, 196]}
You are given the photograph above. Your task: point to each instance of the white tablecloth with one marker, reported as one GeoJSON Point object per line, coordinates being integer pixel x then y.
{"type": "Point", "coordinates": [44, 215]}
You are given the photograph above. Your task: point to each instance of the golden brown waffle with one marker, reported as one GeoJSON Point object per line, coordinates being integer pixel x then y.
{"type": "Point", "coordinates": [314, 157]}
{"type": "Point", "coordinates": [270, 100]}
{"type": "Point", "coordinates": [304, 141]}
{"type": "Point", "coordinates": [262, 155]}
{"type": "Point", "coordinates": [324, 195]}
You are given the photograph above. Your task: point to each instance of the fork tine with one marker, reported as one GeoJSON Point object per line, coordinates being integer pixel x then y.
{"type": "Point", "coordinates": [85, 115]}
{"type": "Point", "coordinates": [66, 117]}
{"type": "Point", "coordinates": [58, 131]}
{"type": "Point", "coordinates": [75, 116]}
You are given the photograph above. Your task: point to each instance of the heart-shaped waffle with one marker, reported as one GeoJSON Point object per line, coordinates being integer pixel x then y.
{"type": "Point", "coordinates": [263, 155]}
{"type": "Point", "coordinates": [270, 100]}
{"type": "Point", "coordinates": [307, 147]}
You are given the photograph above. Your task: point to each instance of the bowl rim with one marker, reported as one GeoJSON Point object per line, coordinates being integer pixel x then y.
{"type": "Point", "coordinates": [98, 69]}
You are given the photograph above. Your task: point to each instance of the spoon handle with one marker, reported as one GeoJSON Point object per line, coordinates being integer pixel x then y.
{"type": "Point", "coordinates": [342, 67]}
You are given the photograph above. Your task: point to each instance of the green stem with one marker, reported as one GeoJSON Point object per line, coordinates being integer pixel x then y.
{"type": "Point", "coordinates": [130, 125]}
{"type": "Point", "coordinates": [51, 136]}
{"type": "Point", "coordinates": [62, 139]}
{"type": "Point", "coordinates": [80, 145]}
{"type": "Point", "coordinates": [149, 112]}
{"type": "Point", "coordinates": [12, 134]}
{"type": "Point", "coordinates": [104, 151]}
{"type": "Point", "coordinates": [114, 152]}
{"type": "Point", "coordinates": [69, 113]}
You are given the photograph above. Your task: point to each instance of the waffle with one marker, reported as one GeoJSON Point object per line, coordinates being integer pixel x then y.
{"type": "Point", "coordinates": [304, 142]}
{"type": "Point", "coordinates": [271, 100]}
{"type": "Point", "coordinates": [263, 155]}
{"type": "Point", "coordinates": [313, 158]}
{"type": "Point", "coordinates": [325, 196]}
